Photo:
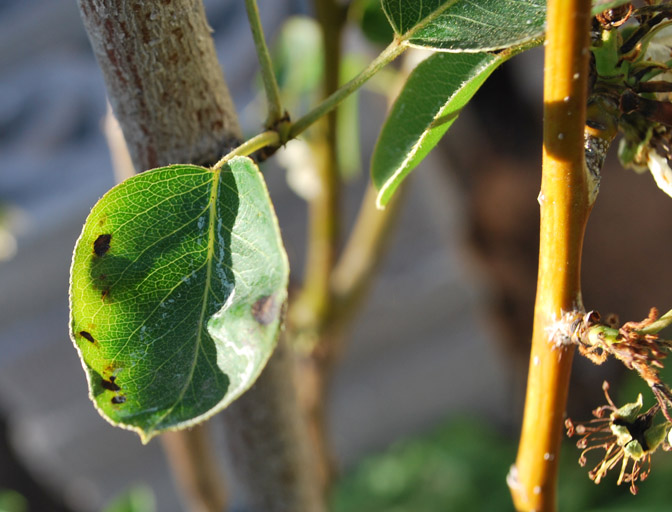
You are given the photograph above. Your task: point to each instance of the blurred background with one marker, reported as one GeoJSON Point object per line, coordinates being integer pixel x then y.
{"type": "Point", "coordinates": [425, 407]}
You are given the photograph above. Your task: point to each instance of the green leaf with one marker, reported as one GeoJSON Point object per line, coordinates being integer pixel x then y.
{"type": "Point", "coordinates": [431, 100]}
{"type": "Point", "coordinates": [371, 19]}
{"type": "Point", "coordinates": [177, 289]}
{"type": "Point", "coordinates": [298, 60]}
{"type": "Point", "coordinates": [602, 5]}
{"type": "Point", "coordinates": [12, 501]}
{"type": "Point", "coordinates": [347, 124]}
{"type": "Point", "coordinates": [467, 25]}
{"type": "Point", "coordinates": [139, 498]}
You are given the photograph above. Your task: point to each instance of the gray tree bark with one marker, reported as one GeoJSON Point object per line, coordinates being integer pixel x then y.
{"type": "Point", "coordinates": [168, 93]}
{"type": "Point", "coordinates": [163, 80]}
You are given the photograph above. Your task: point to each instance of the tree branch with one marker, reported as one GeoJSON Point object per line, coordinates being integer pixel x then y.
{"type": "Point", "coordinates": [195, 468]}
{"type": "Point", "coordinates": [269, 444]}
{"type": "Point", "coordinates": [564, 213]}
{"type": "Point", "coordinates": [163, 80]}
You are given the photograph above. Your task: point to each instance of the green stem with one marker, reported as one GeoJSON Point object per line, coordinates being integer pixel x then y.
{"type": "Point", "coordinates": [602, 333]}
{"type": "Point", "coordinates": [658, 325]}
{"type": "Point", "coordinates": [363, 253]}
{"type": "Point", "coordinates": [275, 110]}
{"type": "Point", "coordinates": [395, 48]}
{"type": "Point", "coordinates": [268, 138]}
{"type": "Point", "coordinates": [272, 137]}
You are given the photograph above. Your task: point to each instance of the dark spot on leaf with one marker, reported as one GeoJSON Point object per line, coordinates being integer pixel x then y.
{"type": "Point", "coordinates": [87, 336]}
{"type": "Point", "coordinates": [102, 245]}
{"type": "Point", "coordinates": [110, 385]}
{"type": "Point", "coordinates": [102, 277]}
{"type": "Point", "coordinates": [265, 310]}
{"type": "Point", "coordinates": [104, 293]}
{"type": "Point", "coordinates": [119, 399]}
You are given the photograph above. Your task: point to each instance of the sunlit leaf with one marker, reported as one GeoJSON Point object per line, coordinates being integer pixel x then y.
{"type": "Point", "coordinates": [467, 25]}
{"type": "Point", "coordinates": [177, 288]}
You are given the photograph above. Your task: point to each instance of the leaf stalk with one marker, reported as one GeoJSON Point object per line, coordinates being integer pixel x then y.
{"type": "Point", "coordinates": [391, 52]}
{"type": "Point", "coordinates": [260, 141]}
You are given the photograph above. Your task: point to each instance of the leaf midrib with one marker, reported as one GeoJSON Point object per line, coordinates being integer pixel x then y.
{"type": "Point", "coordinates": [206, 292]}
{"type": "Point", "coordinates": [426, 20]}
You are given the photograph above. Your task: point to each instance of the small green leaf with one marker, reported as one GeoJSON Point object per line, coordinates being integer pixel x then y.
{"type": "Point", "coordinates": [12, 501]}
{"type": "Point", "coordinates": [139, 498]}
{"type": "Point", "coordinates": [602, 5]}
{"type": "Point", "coordinates": [467, 25]}
{"type": "Point", "coordinates": [347, 124]}
{"type": "Point", "coordinates": [299, 63]}
{"type": "Point", "coordinates": [431, 100]}
{"type": "Point", "coordinates": [177, 289]}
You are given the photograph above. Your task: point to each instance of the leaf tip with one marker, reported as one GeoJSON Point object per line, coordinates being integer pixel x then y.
{"type": "Point", "coordinates": [146, 436]}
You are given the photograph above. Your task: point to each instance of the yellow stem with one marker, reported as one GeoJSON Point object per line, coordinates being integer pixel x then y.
{"type": "Point", "coordinates": [564, 213]}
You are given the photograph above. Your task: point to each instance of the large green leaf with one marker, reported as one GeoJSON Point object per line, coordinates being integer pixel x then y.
{"type": "Point", "coordinates": [178, 284]}
{"type": "Point", "coordinates": [431, 100]}
{"type": "Point", "coordinates": [467, 25]}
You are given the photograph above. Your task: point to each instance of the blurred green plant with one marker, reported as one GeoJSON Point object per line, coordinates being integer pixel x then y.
{"type": "Point", "coordinates": [138, 498]}
{"type": "Point", "coordinates": [462, 464]}
{"type": "Point", "coordinates": [12, 501]}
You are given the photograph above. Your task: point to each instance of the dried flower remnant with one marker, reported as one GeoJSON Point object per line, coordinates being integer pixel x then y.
{"type": "Point", "coordinates": [647, 106]}
{"type": "Point", "coordinates": [636, 344]}
{"type": "Point", "coordinates": [631, 91]}
{"type": "Point", "coordinates": [625, 435]}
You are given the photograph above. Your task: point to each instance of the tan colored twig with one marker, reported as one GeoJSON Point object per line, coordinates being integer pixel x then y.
{"type": "Point", "coordinates": [564, 212]}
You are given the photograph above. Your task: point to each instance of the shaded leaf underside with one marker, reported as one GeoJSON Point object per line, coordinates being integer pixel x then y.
{"type": "Point", "coordinates": [429, 104]}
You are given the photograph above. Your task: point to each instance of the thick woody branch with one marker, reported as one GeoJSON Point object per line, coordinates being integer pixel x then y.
{"type": "Point", "coordinates": [269, 444]}
{"type": "Point", "coordinates": [163, 79]}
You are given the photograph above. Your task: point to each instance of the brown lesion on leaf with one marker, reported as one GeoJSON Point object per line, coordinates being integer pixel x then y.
{"type": "Point", "coordinates": [87, 336]}
{"type": "Point", "coordinates": [104, 294]}
{"type": "Point", "coordinates": [111, 368]}
{"type": "Point", "coordinates": [265, 309]}
{"type": "Point", "coordinates": [110, 385]}
{"type": "Point", "coordinates": [102, 244]}
{"type": "Point", "coordinates": [118, 399]}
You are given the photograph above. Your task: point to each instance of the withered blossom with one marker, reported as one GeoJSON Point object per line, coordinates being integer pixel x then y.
{"type": "Point", "coordinates": [636, 344]}
{"type": "Point", "coordinates": [647, 109]}
{"type": "Point", "coordinates": [625, 435]}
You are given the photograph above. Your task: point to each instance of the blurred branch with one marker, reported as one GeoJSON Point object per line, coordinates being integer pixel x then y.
{"type": "Point", "coordinates": [195, 468]}
{"type": "Point", "coordinates": [359, 262]}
